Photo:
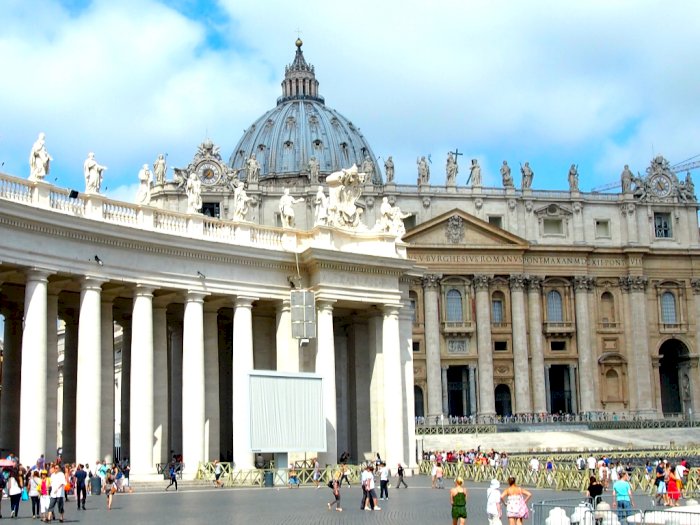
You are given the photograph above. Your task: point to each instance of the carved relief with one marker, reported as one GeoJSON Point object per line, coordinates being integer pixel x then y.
{"type": "Point", "coordinates": [454, 229]}
{"type": "Point", "coordinates": [426, 202]}
{"type": "Point", "coordinates": [633, 283]}
{"type": "Point", "coordinates": [584, 283]}
{"type": "Point", "coordinates": [517, 282]}
{"type": "Point", "coordinates": [457, 346]}
{"type": "Point", "coordinates": [534, 282]}
{"type": "Point", "coordinates": [478, 203]}
{"type": "Point", "coordinates": [695, 283]}
{"type": "Point", "coordinates": [481, 282]}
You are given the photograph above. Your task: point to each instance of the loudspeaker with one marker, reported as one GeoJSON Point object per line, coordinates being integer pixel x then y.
{"type": "Point", "coordinates": [303, 314]}
{"type": "Point", "coordinates": [73, 194]}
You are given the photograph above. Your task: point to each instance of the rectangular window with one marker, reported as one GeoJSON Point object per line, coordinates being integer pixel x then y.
{"type": "Point", "coordinates": [496, 311]}
{"type": "Point", "coordinates": [416, 346]}
{"type": "Point", "coordinates": [410, 222]}
{"type": "Point", "coordinates": [500, 346]}
{"type": "Point", "coordinates": [553, 227]}
{"type": "Point", "coordinates": [602, 229]}
{"type": "Point", "coordinates": [557, 346]}
{"type": "Point", "coordinates": [211, 209]}
{"type": "Point", "coordinates": [496, 220]}
{"type": "Point", "coordinates": [414, 312]}
{"type": "Point", "coordinates": [662, 226]}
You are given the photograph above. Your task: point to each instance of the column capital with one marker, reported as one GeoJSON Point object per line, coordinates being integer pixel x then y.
{"type": "Point", "coordinates": [633, 283]}
{"type": "Point", "coordinates": [325, 305]}
{"type": "Point", "coordinates": [37, 274]}
{"type": "Point", "coordinates": [583, 283]}
{"type": "Point", "coordinates": [391, 309]}
{"type": "Point", "coordinates": [517, 282]}
{"type": "Point", "coordinates": [243, 301]}
{"type": "Point", "coordinates": [482, 281]}
{"type": "Point", "coordinates": [142, 290]}
{"type": "Point", "coordinates": [285, 305]}
{"type": "Point", "coordinates": [430, 280]}
{"type": "Point", "coordinates": [534, 282]}
{"type": "Point", "coordinates": [695, 284]}
{"type": "Point", "coordinates": [194, 296]}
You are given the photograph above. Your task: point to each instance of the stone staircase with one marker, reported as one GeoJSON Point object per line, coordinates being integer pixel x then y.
{"type": "Point", "coordinates": [182, 484]}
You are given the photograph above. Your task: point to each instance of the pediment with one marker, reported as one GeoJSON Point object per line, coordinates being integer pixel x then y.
{"type": "Point", "coordinates": [553, 210]}
{"type": "Point", "coordinates": [457, 228]}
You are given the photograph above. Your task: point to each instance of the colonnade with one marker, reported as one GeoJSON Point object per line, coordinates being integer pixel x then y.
{"type": "Point", "coordinates": [530, 373]}
{"type": "Point", "coordinates": [171, 399]}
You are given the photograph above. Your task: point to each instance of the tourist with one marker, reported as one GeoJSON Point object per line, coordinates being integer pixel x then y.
{"type": "Point", "coordinates": [111, 486]}
{"type": "Point", "coordinates": [384, 474]}
{"type": "Point", "coordinates": [458, 500]}
{"type": "Point", "coordinates": [317, 473]}
{"type": "Point", "coordinates": [433, 473]}
{"type": "Point", "coordinates": [293, 478]}
{"type": "Point", "coordinates": [400, 473]}
{"type": "Point", "coordinates": [14, 490]}
{"type": "Point", "coordinates": [80, 486]}
{"type": "Point", "coordinates": [44, 495]}
{"type": "Point", "coordinates": [218, 470]}
{"type": "Point", "coordinates": [335, 486]}
{"type": "Point", "coordinates": [58, 488]}
{"type": "Point", "coordinates": [368, 492]}
{"type": "Point", "coordinates": [660, 483]}
{"type": "Point", "coordinates": [344, 473]}
{"type": "Point", "coordinates": [439, 481]}
{"type": "Point", "coordinates": [516, 499]}
{"type": "Point", "coordinates": [673, 489]}
{"type": "Point", "coordinates": [173, 476]}
{"type": "Point", "coordinates": [622, 497]}
{"type": "Point", "coordinates": [594, 491]}
{"type": "Point", "coordinates": [33, 492]}
{"type": "Point", "coordinates": [493, 503]}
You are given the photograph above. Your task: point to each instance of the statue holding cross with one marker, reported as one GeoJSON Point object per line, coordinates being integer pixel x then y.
{"type": "Point", "coordinates": [452, 168]}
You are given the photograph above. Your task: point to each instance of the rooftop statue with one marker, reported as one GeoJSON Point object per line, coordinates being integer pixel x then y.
{"type": "Point", "coordinates": [474, 173]}
{"type": "Point", "coordinates": [93, 172]}
{"type": "Point", "coordinates": [240, 202]}
{"type": "Point", "coordinates": [391, 219]}
{"type": "Point", "coordinates": [286, 208]}
{"type": "Point", "coordinates": [389, 169]}
{"type": "Point", "coordinates": [506, 176]}
{"type": "Point", "coordinates": [451, 169]}
{"type": "Point", "coordinates": [423, 171]}
{"type": "Point", "coordinates": [573, 178]}
{"type": "Point", "coordinates": [344, 188]}
{"type": "Point", "coordinates": [314, 168]}
{"type": "Point", "coordinates": [369, 171]}
{"type": "Point", "coordinates": [252, 169]}
{"type": "Point", "coordinates": [159, 169]}
{"type": "Point", "coordinates": [321, 202]}
{"type": "Point", "coordinates": [143, 196]}
{"type": "Point", "coordinates": [626, 179]}
{"type": "Point", "coordinates": [528, 175]}
{"type": "Point", "coordinates": [39, 159]}
{"type": "Point", "coordinates": [193, 189]}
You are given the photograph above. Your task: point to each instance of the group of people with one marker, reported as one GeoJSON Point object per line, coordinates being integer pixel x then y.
{"type": "Point", "coordinates": [514, 497]}
{"type": "Point", "coordinates": [491, 458]}
{"type": "Point", "coordinates": [49, 485]}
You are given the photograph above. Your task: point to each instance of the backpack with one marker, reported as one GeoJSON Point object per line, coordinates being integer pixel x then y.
{"type": "Point", "coordinates": [330, 484]}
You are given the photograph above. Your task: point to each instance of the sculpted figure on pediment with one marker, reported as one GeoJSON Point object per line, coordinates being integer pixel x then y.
{"type": "Point", "coordinates": [344, 188]}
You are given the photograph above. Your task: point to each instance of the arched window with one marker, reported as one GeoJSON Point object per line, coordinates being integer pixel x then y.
{"type": "Point", "coordinates": [555, 311]}
{"type": "Point", "coordinates": [607, 308]}
{"type": "Point", "coordinates": [497, 308]}
{"type": "Point", "coordinates": [454, 306]}
{"type": "Point", "coordinates": [668, 308]}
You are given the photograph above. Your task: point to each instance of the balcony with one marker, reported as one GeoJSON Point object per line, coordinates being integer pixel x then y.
{"type": "Point", "coordinates": [673, 328]}
{"type": "Point", "coordinates": [558, 328]}
{"type": "Point", "coordinates": [457, 327]}
{"type": "Point", "coordinates": [609, 326]}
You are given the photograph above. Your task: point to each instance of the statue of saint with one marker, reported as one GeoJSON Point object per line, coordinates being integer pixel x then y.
{"type": "Point", "coordinates": [423, 171]}
{"type": "Point", "coordinates": [159, 169]}
{"type": "Point", "coordinates": [368, 169]}
{"type": "Point", "coordinates": [93, 174]}
{"type": "Point", "coordinates": [321, 202]}
{"type": "Point", "coordinates": [240, 203]}
{"type": "Point", "coordinates": [573, 178]}
{"type": "Point", "coordinates": [451, 169]}
{"type": "Point", "coordinates": [314, 168]}
{"type": "Point", "coordinates": [527, 176]}
{"type": "Point", "coordinates": [389, 169]}
{"type": "Point", "coordinates": [252, 169]}
{"type": "Point", "coordinates": [39, 159]}
{"type": "Point", "coordinates": [143, 196]}
{"type": "Point", "coordinates": [626, 180]}
{"type": "Point", "coordinates": [506, 176]}
{"type": "Point", "coordinates": [286, 208]}
{"type": "Point", "coordinates": [391, 219]}
{"type": "Point", "coordinates": [344, 188]}
{"type": "Point", "coordinates": [475, 173]}
{"type": "Point", "coordinates": [194, 193]}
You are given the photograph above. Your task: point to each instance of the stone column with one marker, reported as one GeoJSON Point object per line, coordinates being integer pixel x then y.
{"type": "Point", "coordinates": [523, 403]}
{"type": "Point", "coordinates": [445, 393]}
{"type": "Point", "coordinates": [487, 398]}
{"type": "Point", "coordinates": [88, 415]}
{"type": "Point", "coordinates": [51, 374]}
{"type": "Point", "coordinates": [70, 371]}
{"type": "Point", "coordinates": [32, 417]}
{"type": "Point", "coordinates": [287, 347]}
{"type": "Point", "coordinates": [193, 404]}
{"type": "Point", "coordinates": [125, 402]}
{"type": "Point", "coordinates": [586, 365]}
{"type": "Point", "coordinates": [175, 431]}
{"type": "Point", "coordinates": [694, 379]}
{"type": "Point", "coordinates": [211, 372]}
{"type": "Point", "coordinates": [431, 292]}
{"type": "Point", "coordinates": [11, 380]}
{"type": "Point", "coordinates": [540, 390]}
{"type": "Point", "coordinates": [639, 358]}
{"type": "Point", "coordinates": [142, 391]}
{"type": "Point", "coordinates": [472, 391]}
{"type": "Point", "coordinates": [160, 385]}
{"type": "Point", "coordinates": [393, 406]}
{"type": "Point", "coordinates": [242, 366]}
{"type": "Point", "coordinates": [325, 367]}
{"type": "Point", "coordinates": [376, 381]}
{"type": "Point", "coordinates": [409, 402]}
{"type": "Point", "coordinates": [106, 379]}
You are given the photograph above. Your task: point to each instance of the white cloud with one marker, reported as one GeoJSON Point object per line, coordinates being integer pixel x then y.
{"type": "Point", "coordinates": [593, 82]}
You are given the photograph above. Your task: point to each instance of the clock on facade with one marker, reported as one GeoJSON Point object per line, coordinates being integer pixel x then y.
{"type": "Point", "coordinates": [209, 173]}
{"type": "Point", "coordinates": [660, 185]}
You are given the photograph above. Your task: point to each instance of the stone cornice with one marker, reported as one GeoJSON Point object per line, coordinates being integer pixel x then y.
{"type": "Point", "coordinates": [349, 267]}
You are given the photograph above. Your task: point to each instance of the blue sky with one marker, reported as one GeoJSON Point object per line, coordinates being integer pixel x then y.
{"type": "Point", "coordinates": [596, 83]}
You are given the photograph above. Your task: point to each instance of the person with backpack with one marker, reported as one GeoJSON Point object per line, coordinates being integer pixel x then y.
{"type": "Point", "coordinates": [173, 476]}
{"type": "Point", "coordinates": [334, 485]}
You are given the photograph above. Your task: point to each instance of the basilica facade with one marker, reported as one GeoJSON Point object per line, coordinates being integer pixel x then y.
{"type": "Point", "coordinates": [430, 299]}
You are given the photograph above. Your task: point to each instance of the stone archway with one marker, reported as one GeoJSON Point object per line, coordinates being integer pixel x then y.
{"type": "Point", "coordinates": [503, 401]}
{"type": "Point", "coordinates": [674, 378]}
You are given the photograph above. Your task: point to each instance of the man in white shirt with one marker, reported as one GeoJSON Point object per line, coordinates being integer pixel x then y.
{"type": "Point", "coordinates": [534, 464]}
{"type": "Point", "coordinates": [58, 488]}
{"type": "Point", "coordinates": [384, 474]}
{"type": "Point", "coordinates": [368, 491]}
{"type": "Point", "coordinates": [591, 463]}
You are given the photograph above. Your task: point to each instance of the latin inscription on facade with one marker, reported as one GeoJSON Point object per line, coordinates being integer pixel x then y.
{"type": "Point", "coordinates": [528, 260]}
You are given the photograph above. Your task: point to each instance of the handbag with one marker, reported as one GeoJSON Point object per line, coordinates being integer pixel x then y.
{"type": "Point", "coordinates": [25, 496]}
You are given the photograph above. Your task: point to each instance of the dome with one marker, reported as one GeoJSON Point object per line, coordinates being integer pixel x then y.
{"type": "Point", "coordinates": [300, 127]}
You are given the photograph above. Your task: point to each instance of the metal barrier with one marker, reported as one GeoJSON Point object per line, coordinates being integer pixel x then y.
{"type": "Point", "coordinates": [232, 477]}
{"type": "Point", "coordinates": [582, 512]}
